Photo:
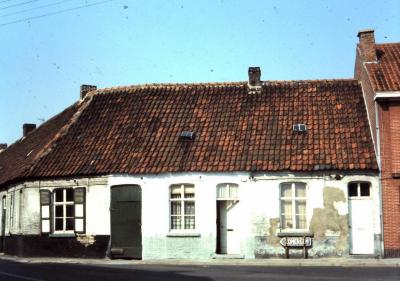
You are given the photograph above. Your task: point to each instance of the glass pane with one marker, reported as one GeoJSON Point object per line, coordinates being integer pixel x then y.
{"type": "Point", "coordinates": [176, 191]}
{"type": "Point", "coordinates": [59, 195]}
{"type": "Point", "coordinates": [189, 191]}
{"type": "Point", "coordinates": [353, 189]}
{"type": "Point", "coordinates": [70, 194]}
{"type": "Point", "coordinates": [69, 224]}
{"type": "Point", "coordinates": [176, 208]}
{"type": "Point", "coordinates": [301, 222]}
{"type": "Point", "coordinates": [300, 207]}
{"type": "Point", "coordinates": [79, 225]}
{"type": "Point", "coordinates": [44, 197]}
{"type": "Point", "coordinates": [70, 210]}
{"type": "Point", "coordinates": [59, 211]}
{"type": "Point", "coordinates": [189, 222]}
{"type": "Point", "coordinates": [286, 207]}
{"type": "Point", "coordinates": [79, 210]}
{"type": "Point", "coordinates": [59, 224]}
{"type": "Point", "coordinates": [364, 188]}
{"type": "Point", "coordinates": [79, 195]}
{"type": "Point", "coordinates": [189, 208]}
{"type": "Point", "coordinates": [233, 191]}
{"type": "Point", "coordinates": [175, 222]}
{"type": "Point", "coordinates": [286, 190]}
{"type": "Point", "coordinates": [300, 190]}
{"type": "Point", "coordinates": [222, 191]}
{"type": "Point", "coordinates": [287, 221]}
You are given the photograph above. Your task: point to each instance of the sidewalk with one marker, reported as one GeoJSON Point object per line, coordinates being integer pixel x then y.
{"type": "Point", "coordinates": [340, 262]}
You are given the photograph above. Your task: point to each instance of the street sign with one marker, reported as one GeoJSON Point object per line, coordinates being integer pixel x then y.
{"type": "Point", "coordinates": [296, 241]}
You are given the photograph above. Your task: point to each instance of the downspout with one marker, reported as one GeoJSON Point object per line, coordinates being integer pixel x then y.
{"type": "Point", "coordinates": [378, 159]}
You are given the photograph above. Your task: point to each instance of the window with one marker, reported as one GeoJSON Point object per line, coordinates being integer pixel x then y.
{"type": "Point", "coordinates": [63, 211]}
{"type": "Point", "coordinates": [11, 211]}
{"type": "Point", "coordinates": [182, 206]}
{"type": "Point", "coordinates": [359, 189]}
{"type": "Point", "coordinates": [227, 191]}
{"type": "Point", "coordinates": [293, 205]}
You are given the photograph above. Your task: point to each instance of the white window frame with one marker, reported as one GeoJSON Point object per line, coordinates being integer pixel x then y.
{"type": "Point", "coordinates": [64, 203]}
{"type": "Point", "coordinates": [293, 199]}
{"type": "Point", "coordinates": [230, 189]}
{"type": "Point", "coordinates": [359, 197]}
{"type": "Point", "coordinates": [183, 200]}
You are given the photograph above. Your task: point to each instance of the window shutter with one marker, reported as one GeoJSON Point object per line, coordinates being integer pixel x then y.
{"type": "Point", "coordinates": [80, 204]}
{"type": "Point", "coordinates": [45, 202]}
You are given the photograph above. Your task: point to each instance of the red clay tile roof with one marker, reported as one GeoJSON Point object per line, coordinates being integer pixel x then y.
{"type": "Point", "coordinates": [16, 160]}
{"type": "Point", "coordinates": [137, 129]}
{"type": "Point", "coordinates": [385, 75]}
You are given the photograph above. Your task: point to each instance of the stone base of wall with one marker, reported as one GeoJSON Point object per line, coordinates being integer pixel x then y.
{"type": "Point", "coordinates": [45, 246]}
{"type": "Point", "coordinates": [392, 253]}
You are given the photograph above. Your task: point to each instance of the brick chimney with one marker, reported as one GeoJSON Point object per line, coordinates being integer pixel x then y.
{"type": "Point", "coordinates": [3, 146]}
{"type": "Point", "coordinates": [27, 128]}
{"type": "Point", "coordinates": [367, 45]}
{"type": "Point", "coordinates": [254, 76]}
{"type": "Point", "coordinates": [86, 89]}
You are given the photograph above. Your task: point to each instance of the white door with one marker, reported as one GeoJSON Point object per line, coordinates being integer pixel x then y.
{"type": "Point", "coordinates": [233, 226]}
{"type": "Point", "coordinates": [361, 226]}
{"type": "Point", "coordinates": [229, 227]}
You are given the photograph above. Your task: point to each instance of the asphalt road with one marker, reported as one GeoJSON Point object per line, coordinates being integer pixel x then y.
{"type": "Point", "coordinates": [12, 271]}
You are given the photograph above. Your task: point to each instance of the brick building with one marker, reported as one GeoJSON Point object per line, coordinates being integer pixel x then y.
{"type": "Point", "coordinates": [378, 68]}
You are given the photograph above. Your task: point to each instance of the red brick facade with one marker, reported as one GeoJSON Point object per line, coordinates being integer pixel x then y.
{"type": "Point", "coordinates": [381, 76]}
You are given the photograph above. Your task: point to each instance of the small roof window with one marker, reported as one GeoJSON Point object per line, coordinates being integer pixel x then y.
{"type": "Point", "coordinates": [187, 135]}
{"type": "Point", "coordinates": [302, 128]}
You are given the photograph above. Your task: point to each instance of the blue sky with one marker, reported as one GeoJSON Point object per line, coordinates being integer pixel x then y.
{"type": "Point", "coordinates": [108, 43]}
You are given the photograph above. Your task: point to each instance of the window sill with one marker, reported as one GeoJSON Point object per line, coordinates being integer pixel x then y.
{"type": "Point", "coordinates": [61, 235]}
{"type": "Point", "coordinates": [294, 233]}
{"type": "Point", "coordinates": [183, 234]}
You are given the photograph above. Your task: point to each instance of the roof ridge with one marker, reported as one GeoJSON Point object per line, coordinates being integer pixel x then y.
{"type": "Point", "coordinates": [388, 43]}
{"type": "Point", "coordinates": [215, 84]}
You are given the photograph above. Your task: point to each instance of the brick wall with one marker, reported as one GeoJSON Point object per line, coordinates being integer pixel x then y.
{"type": "Point", "coordinates": [389, 116]}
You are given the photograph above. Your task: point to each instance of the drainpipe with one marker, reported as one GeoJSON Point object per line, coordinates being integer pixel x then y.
{"type": "Point", "coordinates": [378, 159]}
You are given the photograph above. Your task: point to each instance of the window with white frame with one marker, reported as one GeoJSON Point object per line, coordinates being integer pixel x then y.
{"type": "Point", "coordinates": [63, 210]}
{"type": "Point", "coordinates": [293, 206]}
{"type": "Point", "coordinates": [227, 191]}
{"type": "Point", "coordinates": [359, 189]}
{"type": "Point", "coordinates": [182, 207]}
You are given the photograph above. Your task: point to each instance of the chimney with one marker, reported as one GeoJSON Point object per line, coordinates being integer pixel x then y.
{"type": "Point", "coordinates": [367, 45]}
{"type": "Point", "coordinates": [254, 76]}
{"type": "Point", "coordinates": [27, 128]}
{"type": "Point", "coordinates": [3, 146]}
{"type": "Point", "coordinates": [86, 89]}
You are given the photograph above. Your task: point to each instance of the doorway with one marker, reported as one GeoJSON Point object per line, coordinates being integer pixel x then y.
{"type": "Point", "coordinates": [126, 221]}
{"type": "Point", "coordinates": [228, 240]}
{"type": "Point", "coordinates": [361, 218]}
{"type": "Point", "coordinates": [3, 224]}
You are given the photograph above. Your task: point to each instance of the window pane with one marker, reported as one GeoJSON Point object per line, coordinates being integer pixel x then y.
{"type": "Point", "coordinates": [59, 195]}
{"type": "Point", "coordinates": [286, 190]}
{"type": "Point", "coordinates": [79, 195]}
{"type": "Point", "coordinates": [176, 191]}
{"type": "Point", "coordinates": [175, 208]}
{"type": "Point", "coordinates": [189, 191]}
{"type": "Point", "coordinates": [353, 189]}
{"type": "Point", "coordinates": [69, 224]}
{"type": "Point", "coordinates": [286, 207]}
{"type": "Point", "coordinates": [300, 190]}
{"type": "Point", "coordinates": [189, 208]}
{"type": "Point", "coordinates": [70, 194]}
{"type": "Point", "coordinates": [189, 222]}
{"type": "Point", "coordinates": [70, 210]}
{"type": "Point", "coordinates": [300, 207]}
{"type": "Point", "coordinates": [59, 211]}
{"type": "Point", "coordinates": [301, 222]}
{"type": "Point", "coordinates": [175, 222]}
{"type": "Point", "coordinates": [44, 197]}
{"type": "Point", "coordinates": [59, 224]}
{"type": "Point", "coordinates": [233, 191]}
{"type": "Point", "coordinates": [79, 225]}
{"type": "Point", "coordinates": [222, 191]}
{"type": "Point", "coordinates": [287, 221]}
{"type": "Point", "coordinates": [364, 188]}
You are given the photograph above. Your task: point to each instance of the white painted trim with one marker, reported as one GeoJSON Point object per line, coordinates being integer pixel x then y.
{"type": "Point", "coordinates": [387, 95]}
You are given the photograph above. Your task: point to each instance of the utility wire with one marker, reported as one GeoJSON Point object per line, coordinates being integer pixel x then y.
{"type": "Point", "coordinates": [56, 12]}
{"type": "Point", "coordinates": [34, 8]}
{"type": "Point", "coordinates": [18, 4]}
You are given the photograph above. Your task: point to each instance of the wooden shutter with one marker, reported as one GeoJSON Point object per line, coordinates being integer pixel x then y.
{"type": "Point", "coordinates": [45, 203]}
{"type": "Point", "coordinates": [80, 209]}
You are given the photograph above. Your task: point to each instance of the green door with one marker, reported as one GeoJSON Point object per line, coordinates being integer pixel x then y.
{"type": "Point", "coordinates": [126, 222]}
